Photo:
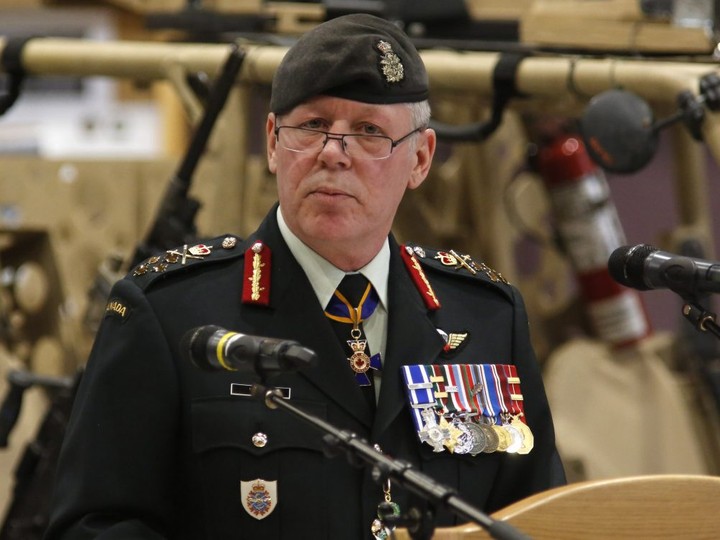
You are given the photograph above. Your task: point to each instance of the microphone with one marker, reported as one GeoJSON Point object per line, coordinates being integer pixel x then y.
{"type": "Point", "coordinates": [644, 267]}
{"type": "Point", "coordinates": [213, 348]}
{"type": "Point", "coordinates": [619, 131]}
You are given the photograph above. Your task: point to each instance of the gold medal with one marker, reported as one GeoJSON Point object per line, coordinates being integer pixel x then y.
{"type": "Point", "coordinates": [528, 439]}
{"type": "Point", "coordinates": [504, 439]}
{"type": "Point", "coordinates": [516, 440]}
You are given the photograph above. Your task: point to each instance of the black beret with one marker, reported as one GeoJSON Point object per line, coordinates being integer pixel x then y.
{"type": "Point", "coordinates": [359, 57]}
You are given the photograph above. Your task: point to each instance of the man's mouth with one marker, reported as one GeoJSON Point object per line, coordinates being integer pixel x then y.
{"type": "Point", "coordinates": [328, 192]}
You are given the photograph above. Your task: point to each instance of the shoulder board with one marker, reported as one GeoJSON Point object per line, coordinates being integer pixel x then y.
{"type": "Point", "coordinates": [185, 257]}
{"type": "Point", "coordinates": [455, 263]}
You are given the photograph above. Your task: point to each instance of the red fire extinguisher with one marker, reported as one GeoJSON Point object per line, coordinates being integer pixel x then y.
{"type": "Point", "coordinates": [589, 229]}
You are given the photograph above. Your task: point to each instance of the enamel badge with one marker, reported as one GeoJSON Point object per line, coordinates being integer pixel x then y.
{"type": "Point", "coordinates": [259, 497]}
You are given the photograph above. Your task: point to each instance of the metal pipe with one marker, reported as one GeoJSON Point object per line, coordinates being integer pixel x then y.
{"type": "Point", "coordinates": [538, 76]}
{"type": "Point", "coordinates": [555, 78]}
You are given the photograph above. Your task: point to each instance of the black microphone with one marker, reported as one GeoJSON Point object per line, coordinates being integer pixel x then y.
{"type": "Point", "coordinates": [619, 131]}
{"type": "Point", "coordinates": [645, 267]}
{"type": "Point", "coordinates": [213, 348]}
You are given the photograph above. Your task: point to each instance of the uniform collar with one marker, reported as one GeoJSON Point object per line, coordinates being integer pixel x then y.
{"type": "Point", "coordinates": [325, 277]}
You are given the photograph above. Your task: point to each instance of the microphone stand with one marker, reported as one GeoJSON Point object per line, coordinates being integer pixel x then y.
{"type": "Point", "coordinates": [384, 467]}
{"type": "Point", "coordinates": [700, 318]}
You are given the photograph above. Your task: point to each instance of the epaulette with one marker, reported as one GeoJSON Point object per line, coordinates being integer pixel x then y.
{"type": "Point", "coordinates": [450, 261]}
{"type": "Point", "coordinates": [184, 258]}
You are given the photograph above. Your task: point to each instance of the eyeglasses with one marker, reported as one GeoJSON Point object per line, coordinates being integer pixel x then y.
{"type": "Point", "coordinates": [304, 140]}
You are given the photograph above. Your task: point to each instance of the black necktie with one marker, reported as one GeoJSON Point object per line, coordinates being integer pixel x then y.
{"type": "Point", "coordinates": [354, 301]}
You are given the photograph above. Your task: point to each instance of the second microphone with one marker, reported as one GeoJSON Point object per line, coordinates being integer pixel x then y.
{"type": "Point", "coordinates": [644, 267]}
{"type": "Point", "coordinates": [214, 348]}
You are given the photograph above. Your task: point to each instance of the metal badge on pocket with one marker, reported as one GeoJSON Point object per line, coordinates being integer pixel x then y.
{"type": "Point", "coordinates": [259, 497]}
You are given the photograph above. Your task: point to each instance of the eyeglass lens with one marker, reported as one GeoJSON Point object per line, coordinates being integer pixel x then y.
{"type": "Point", "coordinates": [360, 146]}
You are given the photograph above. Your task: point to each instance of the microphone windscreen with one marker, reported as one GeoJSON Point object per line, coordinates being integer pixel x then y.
{"type": "Point", "coordinates": [626, 265]}
{"type": "Point", "coordinates": [194, 346]}
{"type": "Point", "coordinates": [618, 129]}
{"type": "Point", "coordinates": [616, 264]}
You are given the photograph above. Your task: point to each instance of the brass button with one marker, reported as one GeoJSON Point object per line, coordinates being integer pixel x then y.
{"type": "Point", "coordinates": [259, 440]}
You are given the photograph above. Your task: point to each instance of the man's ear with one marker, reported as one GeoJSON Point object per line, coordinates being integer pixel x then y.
{"type": "Point", "coordinates": [424, 152]}
{"type": "Point", "coordinates": [271, 142]}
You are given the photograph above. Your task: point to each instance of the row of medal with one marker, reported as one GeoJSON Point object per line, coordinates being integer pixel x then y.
{"type": "Point", "coordinates": [468, 408]}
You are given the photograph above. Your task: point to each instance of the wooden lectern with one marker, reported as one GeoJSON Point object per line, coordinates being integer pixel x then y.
{"type": "Point", "coordinates": [683, 507]}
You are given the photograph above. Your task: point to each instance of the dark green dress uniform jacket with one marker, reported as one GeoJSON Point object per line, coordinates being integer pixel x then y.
{"type": "Point", "coordinates": [157, 448]}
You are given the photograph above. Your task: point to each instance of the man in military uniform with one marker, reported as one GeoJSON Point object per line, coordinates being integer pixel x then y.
{"type": "Point", "coordinates": [432, 362]}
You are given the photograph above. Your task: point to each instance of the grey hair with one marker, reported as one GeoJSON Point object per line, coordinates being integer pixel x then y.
{"type": "Point", "coordinates": [420, 112]}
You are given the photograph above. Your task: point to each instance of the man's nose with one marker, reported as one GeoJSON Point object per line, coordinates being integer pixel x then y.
{"type": "Point", "coordinates": [339, 138]}
{"type": "Point", "coordinates": [341, 144]}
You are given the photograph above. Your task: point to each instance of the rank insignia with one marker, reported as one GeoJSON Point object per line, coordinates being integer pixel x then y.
{"type": "Point", "coordinates": [464, 262]}
{"type": "Point", "coordinates": [256, 277]}
{"type": "Point", "coordinates": [259, 497]}
{"type": "Point", "coordinates": [183, 257]}
{"type": "Point", "coordinates": [390, 64]}
{"type": "Point", "coordinates": [159, 264]}
{"type": "Point", "coordinates": [153, 264]}
{"type": "Point", "coordinates": [494, 275]}
{"type": "Point", "coordinates": [199, 251]}
{"type": "Point", "coordinates": [457, 261]}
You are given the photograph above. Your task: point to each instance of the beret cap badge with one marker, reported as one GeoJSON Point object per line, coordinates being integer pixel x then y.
{"type": "Point", "coordinates": [392, 67]}
{"type": "Point", "coordinates": [359, 57]}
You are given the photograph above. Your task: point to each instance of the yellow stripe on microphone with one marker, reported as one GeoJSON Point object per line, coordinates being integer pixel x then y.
{"type": "Point", "coordinates": [220, 349]}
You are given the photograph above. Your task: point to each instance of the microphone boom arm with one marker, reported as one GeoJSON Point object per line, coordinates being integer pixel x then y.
{"type": "Point", "coordinates": [359, 451]}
